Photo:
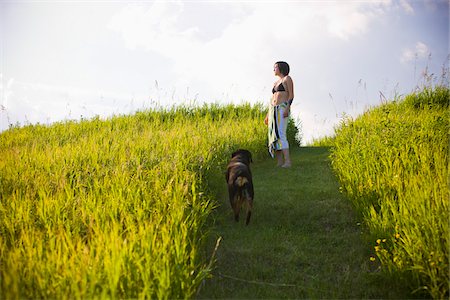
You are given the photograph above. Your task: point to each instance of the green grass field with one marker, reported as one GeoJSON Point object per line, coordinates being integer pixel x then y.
{"type": "Point", "coordinates": [393, 164]}
{"type": "Point", "coordinates": [132, 207]}
{"type": "Point", "coordinates": [115, 208]}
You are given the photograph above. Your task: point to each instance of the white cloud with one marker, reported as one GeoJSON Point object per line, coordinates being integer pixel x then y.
{"type": "Point", "coordinates": [39, 102]}
{"type": "Point", "coordinates": [154, 28]}
{"type": "Point", "coordinates": [419, 51]}
{"type": "Point", "coordinates": [422, 50]}
{"type": "Point", "coordinates": [234, 57]}
{"type": "Point", "coordinates": [236, 64]}
{"type": "Point", "coordinates": [346, 21]}
{"type": "Point", "coordinates": [407, 7]}
{"type": "Point", "coordinates": [5, 91]}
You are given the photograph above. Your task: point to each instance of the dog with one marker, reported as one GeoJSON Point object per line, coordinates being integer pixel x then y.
{"type": "Point", "coordinates": [240, 183]}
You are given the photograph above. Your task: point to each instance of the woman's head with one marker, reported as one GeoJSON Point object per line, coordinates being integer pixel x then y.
{"type": "Point", "coordinates": [283, 67]}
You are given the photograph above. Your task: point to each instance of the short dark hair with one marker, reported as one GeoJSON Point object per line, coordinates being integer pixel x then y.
{"type": "Point", "coordinates": [283, 67]}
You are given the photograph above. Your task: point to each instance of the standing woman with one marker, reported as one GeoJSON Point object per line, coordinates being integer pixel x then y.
{"type": "Point", "coordinates": [278, 116]}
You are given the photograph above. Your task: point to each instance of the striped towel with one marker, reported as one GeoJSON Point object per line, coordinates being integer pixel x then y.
{"type": "Point", "coordinates": [272, 130]}
{"type": "Point", "coordinates": [277, 129]}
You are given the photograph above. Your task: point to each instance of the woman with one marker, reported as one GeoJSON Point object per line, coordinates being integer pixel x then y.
{"type": "Point", "coordinates": [278, 116]}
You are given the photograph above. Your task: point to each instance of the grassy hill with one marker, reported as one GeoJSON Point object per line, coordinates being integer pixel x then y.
{"type": "Point", "coordinates": [115, 208]}
{"type": "Point", "coordinates": [131, 207]}
{"type": "Point", "coordinates": [392, 163]}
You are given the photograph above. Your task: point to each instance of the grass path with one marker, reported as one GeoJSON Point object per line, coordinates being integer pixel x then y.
{"type": "Point", "coordinates": [303, 241]}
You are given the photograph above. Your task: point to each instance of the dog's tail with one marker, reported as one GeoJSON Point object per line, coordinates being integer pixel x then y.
{"type": "Point", "coordinates": [241, 181]}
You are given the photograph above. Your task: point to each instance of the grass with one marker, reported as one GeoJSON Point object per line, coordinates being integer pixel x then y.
{"type": "Point", "coordinates": [126, 207]}
{"type": "Point", "coordinates": [393, 162]}
{"type": "Point", "coordinates": [303, 241]}
{"type": "Point", "coordinates": [115, 208]}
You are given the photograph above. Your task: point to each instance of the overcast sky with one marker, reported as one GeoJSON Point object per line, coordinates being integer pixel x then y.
{"type": "Point", "coordinates": [61, 60]}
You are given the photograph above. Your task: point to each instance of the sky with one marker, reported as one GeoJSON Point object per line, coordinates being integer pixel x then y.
{"type": "Point", "coordinates": [67, 60]}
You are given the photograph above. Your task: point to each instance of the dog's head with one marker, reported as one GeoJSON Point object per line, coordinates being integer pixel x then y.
{"type": "Point", "coordinates": [243, 155]}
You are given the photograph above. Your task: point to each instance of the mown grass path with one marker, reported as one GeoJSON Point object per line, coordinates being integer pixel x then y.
{"type": "Point", "coordinates": [303, 241]}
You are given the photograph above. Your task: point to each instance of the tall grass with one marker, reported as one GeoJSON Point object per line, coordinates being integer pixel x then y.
{"type": "Point", "coordinates": [393, 163]}
{"type": "Point", "coordinates": [115, 208]}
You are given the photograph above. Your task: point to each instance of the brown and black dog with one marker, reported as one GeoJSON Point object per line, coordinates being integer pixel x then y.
{"type": "Point", "coordinates": [240, 183]}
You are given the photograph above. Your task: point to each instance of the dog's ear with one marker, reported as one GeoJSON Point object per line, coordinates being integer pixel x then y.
{"type": "Point", "coordinates": [249, 154]}
{"type": "Point", "coordinates": [236, 153]}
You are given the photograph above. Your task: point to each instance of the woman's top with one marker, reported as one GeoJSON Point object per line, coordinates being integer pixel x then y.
{"type": "Point", "coordinates": [279, 88]}
{"type": "Point", "coordinates": [278, 98]}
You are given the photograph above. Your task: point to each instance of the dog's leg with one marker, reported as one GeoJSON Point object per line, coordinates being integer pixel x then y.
{"type": "Point", "coordinates": [233, 200]}
{"type": "Point", "coordinates": [237, 207]}
{"type": "Point", "coordinates": [249, 210]}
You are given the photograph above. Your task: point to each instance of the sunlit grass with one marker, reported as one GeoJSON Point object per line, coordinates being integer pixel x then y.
{"type": "Point", "coordinates": [115, 208]}
{"type": "Point", "coordinates": [393, 163]}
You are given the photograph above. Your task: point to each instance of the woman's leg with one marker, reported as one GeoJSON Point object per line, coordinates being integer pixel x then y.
{"type": "Point", "coordinates": [287, 158]}
{"type": "Point", "coordinates": [283, 138]}
{"type": "Point", "coordinates": [279, 155]}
